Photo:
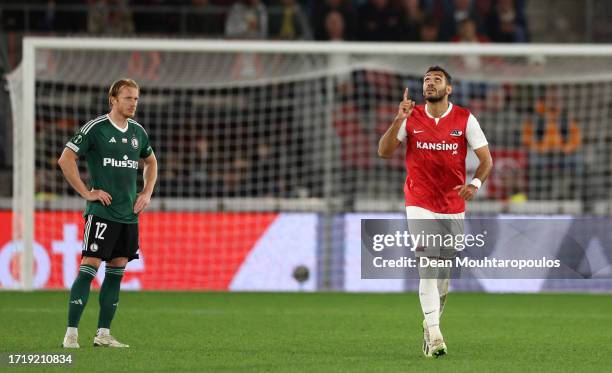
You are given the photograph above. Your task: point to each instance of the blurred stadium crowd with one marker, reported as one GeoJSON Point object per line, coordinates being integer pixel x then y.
{"type": "Point", "coordinates": [357, 20]}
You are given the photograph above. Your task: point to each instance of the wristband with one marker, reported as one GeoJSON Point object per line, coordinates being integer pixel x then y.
{"type": "Point", "coordinates": [476, 182]}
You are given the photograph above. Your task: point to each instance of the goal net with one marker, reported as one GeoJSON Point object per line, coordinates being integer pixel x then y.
{"type": "Point", "coordinates": [267, 151]}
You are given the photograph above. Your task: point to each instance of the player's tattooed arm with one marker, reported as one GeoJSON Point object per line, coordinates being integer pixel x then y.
{"type": "Point", "coordinates": [70, 169]}
{"type": "Point", "coordinates": [485, 165]}
{"type": "Point", "coordinates": [150, 177]}
{"type": "Point", "coordinates": [389, 142]}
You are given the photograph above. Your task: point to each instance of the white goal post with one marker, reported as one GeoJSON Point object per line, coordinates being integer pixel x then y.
{"type": "Point", "coordinates": [374, 74]}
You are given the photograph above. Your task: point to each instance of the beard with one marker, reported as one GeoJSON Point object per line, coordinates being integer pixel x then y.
{"type": "Point", "coordinates": [434, 98]}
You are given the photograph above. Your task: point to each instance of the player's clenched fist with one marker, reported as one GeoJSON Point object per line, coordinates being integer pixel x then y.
{"type": "Point", "coordinates": [466, 192]}
{"type": "Point", "coordinates": [405, 107]}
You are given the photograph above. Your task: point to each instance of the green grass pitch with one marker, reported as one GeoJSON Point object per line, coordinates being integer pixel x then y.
{"type": "Point", "coordinates": [331, 332]}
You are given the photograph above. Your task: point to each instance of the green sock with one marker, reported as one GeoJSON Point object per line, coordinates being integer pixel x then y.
{"type": "Point", "coordinates": [79, 293]}
{"type": "Point", "coordinates": [109, 295]}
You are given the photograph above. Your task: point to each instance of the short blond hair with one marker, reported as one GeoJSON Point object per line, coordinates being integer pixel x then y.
{"type": "Point", "coordinates": [114, 89]}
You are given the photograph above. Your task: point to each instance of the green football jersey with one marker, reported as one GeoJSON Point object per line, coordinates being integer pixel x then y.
{"type": "Point", "coordinates": [112, 156]}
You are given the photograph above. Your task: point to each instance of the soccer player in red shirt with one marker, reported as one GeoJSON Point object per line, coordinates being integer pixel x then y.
{"type": "Point", "coordinates": [437, 136]}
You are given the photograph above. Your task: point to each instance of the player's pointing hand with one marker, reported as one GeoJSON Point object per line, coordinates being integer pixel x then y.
{"type": "Point", "coordinates": [405, 107]}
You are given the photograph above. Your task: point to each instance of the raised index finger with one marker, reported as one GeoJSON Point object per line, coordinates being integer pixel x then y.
{"type": "Point", "coordinates": [406, 94]}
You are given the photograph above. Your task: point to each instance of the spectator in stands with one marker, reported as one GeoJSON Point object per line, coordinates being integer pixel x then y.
{"type": "Point", "coordinates": [506, 24]}
{"type": "Point", "coordinates": [553, 137]}
{"type": "Point", "coordinates": [120, 18]}
{"type": "Point", "coordinates": [500, 120]}
{"type": "Point", "coordinates": [109, 17]}
{"type": "Point", "coordinates": [483, 8]}
{"type": "Point", "coordinates": [320, 14]}
{"type": "Point", "coordinates": [412, 19]}
{"type": "Point", "coordinates": [265, 175]}
{"type": "Point", "coordinates": [48, 181]}
{"type": "Point", "coordinates": [289, 22]}
{"type": "Point", "coordinates": [170, 177]}
{"type": "Point", "coordinates": [429, 31]}
{"type": "Point", "coordinates": [335, 31]}
{"type": "Point", "coordinates": [453, 14]}
{"type": "Point", "coordinates": [378, 21]}
{"type": "Point", "coordinates": [467, 33]}
{"type": "Point", "coordinates": [97, 15]}
{"type": "Point", "coordinates": [200, 173]}
{"type": "Point", "coordinates": [355, 149]}
{"type": "Point", "coordinates": [247, 19]}
{"type": "Point", "coordinates": [236, 178]}
{"type": "Point", "coordinates": [334, 27]}
{"type": "Point", "coordinates": [511, 178]}
{"type": "Point", "coordinates": [48, 21]}
{"type": "Point", "coordinates": [203, 20]}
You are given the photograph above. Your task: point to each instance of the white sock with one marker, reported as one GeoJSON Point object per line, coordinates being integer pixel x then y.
{"type": "Point", "coordinates": [443, 291]}
{"type": "Point", "coordinates": [72, 331]}
{"type": "Point", "coordinates": [430, 304]}
{"type": "Point", "coordinates": [103, 331]}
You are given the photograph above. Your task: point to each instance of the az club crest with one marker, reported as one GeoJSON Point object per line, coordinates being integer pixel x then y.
{"type": "Point", "coordinates": [456, 133]}
{"type": "Point", "coordinates": [93, 247]}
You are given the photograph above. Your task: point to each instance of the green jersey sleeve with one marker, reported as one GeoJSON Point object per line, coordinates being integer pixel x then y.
{"type": "Point", "coordinates": [80, 143]}
{"type": "Point", "coordinates": [83, 140]}
{"type": "Point", "coordinates": [146, 149]}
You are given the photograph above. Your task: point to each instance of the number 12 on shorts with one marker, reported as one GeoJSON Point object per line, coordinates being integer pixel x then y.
{"type": "Point", "coordinates": [100, 228]}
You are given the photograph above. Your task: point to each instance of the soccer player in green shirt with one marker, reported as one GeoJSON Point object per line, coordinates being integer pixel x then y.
{"type": "Point", "coordinates": [112, 145]}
